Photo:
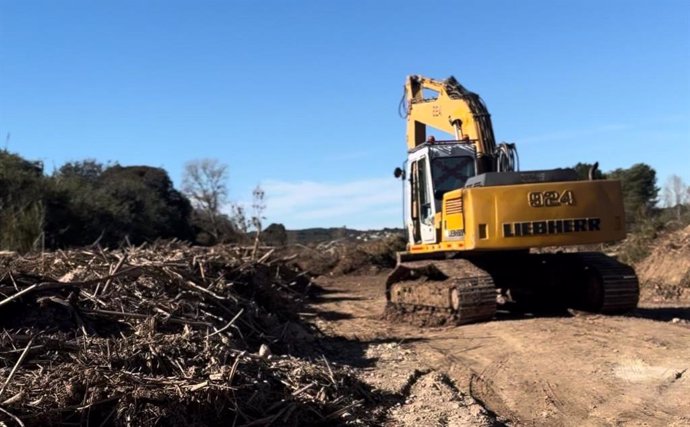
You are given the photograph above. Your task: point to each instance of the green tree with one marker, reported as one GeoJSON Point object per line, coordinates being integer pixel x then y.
{"type": "Point", "coordinates": [146, 205]}
{"type": "Point", "coordinates": [22, 212]}
{"type": "Point", "coordinates": [89, 203]}
{"type": "Point", "coordinates": [275, 235]}
{"type": "Point", "coordinates": [78, 211]}
{"type": "Point", "coordinates": [639, 188]}
{"type": "Point", "coordinates": [88, 170]}
{"type": "Point", "coordinates": [84, 202]}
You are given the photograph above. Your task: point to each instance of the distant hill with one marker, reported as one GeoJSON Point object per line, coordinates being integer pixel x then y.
{"type": "Point", "coordinates": [318, 235]}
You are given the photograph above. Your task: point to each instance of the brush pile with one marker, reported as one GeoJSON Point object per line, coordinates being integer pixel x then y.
{"type": "Point", "coordinates": [344, 256]}
{"type": "Point", "coordinates": [165, 335]}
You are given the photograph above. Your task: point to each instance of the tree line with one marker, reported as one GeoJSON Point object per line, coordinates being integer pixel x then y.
{"type": "Point", "coordinates": [86, 202]}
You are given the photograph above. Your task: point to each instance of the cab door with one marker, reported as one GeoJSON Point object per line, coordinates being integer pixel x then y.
{"type": "Point", "coordinates": [422, 207]}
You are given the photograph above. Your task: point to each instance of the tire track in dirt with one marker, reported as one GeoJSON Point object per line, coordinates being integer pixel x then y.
{"type": "Point", "coordinates": [571, 370]}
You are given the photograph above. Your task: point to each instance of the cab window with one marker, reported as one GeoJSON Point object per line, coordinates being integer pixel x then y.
{"type": "Point", "coordinates": [450, 173]}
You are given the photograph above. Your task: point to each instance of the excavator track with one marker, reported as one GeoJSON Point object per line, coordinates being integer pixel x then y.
{"type": "Point", "coordinates": [611, 286]}
{"type": "Point", "coordinates": [460, 291]}
{"type": "Point", "coordinates": [553, 282]}
{"type": "Point", "coordinates": [441, 292]}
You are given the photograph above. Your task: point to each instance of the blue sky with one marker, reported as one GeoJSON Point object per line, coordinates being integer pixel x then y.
{"type": "Point", "coordinates": [301, 96]}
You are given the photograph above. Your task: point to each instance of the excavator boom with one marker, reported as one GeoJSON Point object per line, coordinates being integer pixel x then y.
{"type": "Point", "coordinates": [451, 109]}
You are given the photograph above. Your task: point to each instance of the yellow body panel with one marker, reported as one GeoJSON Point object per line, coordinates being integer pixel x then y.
{"type": "Point", "coordinates": [523, 216]}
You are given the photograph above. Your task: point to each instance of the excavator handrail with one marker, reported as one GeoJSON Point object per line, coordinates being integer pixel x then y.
{"type": "Point", "coordinates": [468, 142]}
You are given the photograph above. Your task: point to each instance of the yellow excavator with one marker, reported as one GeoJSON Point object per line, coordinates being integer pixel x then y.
{"type": "Point", "coordinates": [475, 222]}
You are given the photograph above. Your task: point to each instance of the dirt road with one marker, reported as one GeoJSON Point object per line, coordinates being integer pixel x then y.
{"type": "Point", "coordinates": [571, 370]}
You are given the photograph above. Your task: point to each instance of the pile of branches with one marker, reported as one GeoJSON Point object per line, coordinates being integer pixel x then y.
{"type": "Point", "coordinates": [345, 256]}
{"type": "Point", "coordinates": [166, 334]}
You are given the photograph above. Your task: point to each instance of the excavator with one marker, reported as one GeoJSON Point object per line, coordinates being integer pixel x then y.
{"type": "Point", "coordinates": [483, 235]}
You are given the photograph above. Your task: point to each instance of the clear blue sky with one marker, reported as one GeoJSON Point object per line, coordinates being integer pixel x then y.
{"type": "Point", "coordinates": [301, 96]}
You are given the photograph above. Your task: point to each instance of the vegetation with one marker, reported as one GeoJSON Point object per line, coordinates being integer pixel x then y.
{"type": "Point", "coordinates": [204, 183]}
{"type": "Point", "coordinates": [583, 169]}
{"type": "Point", "coordinates": [275, 234]}
{"type": "Point", "coordinates": [638, 184]}
{"type": "Point", "coordinates": [677, 196]}
{"type": "Point", "coordinates": [22, 207]}
{"type": "Point", "coordinates": [639, 191]}
{"type": "Point", "coordinates": [646, 218]}
{"type": "Point", "coordinates": [673, 215]}
{"type": "Point", "coordinates": [87, 202]}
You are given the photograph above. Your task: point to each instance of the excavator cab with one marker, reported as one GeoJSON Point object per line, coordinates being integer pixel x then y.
{"type": "Point", "coordinates": [434, 169]}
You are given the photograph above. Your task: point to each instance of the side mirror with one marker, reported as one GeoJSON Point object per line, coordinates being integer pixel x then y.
{"type": "Point", "coordinates": [398, 173]}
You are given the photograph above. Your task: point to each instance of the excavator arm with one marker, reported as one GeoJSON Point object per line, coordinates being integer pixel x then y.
{"type": "Point", "coordinates": [454, 110]}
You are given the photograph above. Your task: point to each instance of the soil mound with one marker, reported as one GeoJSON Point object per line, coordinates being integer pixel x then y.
{"type": "Point", "coordinates": [665, 273]}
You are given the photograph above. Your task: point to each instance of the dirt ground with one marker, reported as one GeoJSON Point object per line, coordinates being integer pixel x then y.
{"type": "Point", "coordinates": [570, 370]}
{"type": "Point", "coordinates": [85, 361]}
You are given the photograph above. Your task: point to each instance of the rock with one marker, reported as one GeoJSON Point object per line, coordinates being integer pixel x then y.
{"type": "Point", "coordinates": [264, 351]}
